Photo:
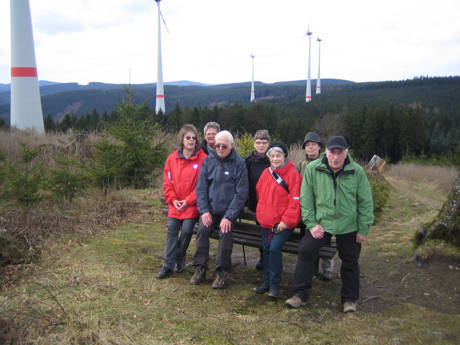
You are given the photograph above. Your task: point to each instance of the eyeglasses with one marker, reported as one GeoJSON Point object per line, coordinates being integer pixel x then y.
{"type": "Point", "coordinates": [221, 146]}
{"type": "Point", "coordinates": [261, 142]}
{"type": "Point", "coordinates": [190, 138]}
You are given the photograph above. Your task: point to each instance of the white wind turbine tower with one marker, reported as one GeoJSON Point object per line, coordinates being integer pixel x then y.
{"type": "Point", "coordinates": [318, 82]}
{"type": "Point", "coordinates": [26, 107]}
{"type": "Point", "coordinates": [308, 94]}
{"type": "Point", "coordinates": [253, 96]}
{"type": "Point", "coordinates": [160, 96]}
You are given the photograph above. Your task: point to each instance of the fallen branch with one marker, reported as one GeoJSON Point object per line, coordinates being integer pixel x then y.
{"type": "Point", "coordinates": [56, 300]}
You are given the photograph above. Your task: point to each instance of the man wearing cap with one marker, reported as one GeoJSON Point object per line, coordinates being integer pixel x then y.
{"type": "Point", "coordinates": [335, 200]}
{"type": "Point", "coordinates": [312, 145]}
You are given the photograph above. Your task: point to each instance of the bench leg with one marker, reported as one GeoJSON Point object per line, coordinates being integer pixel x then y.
{"type": "Point", "coordinates": [244, 256]}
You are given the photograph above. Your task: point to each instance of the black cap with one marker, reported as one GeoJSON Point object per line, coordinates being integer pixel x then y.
{"type": "Point", "coordinates": [337, 142]}
{"type": "Point", "coordinates": [279, 144]}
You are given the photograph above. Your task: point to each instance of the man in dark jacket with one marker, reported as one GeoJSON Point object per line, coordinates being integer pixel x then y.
{"type": "Point", "coordinates": [221, 193]}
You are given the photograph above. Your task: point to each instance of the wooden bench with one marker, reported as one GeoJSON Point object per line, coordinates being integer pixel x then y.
{"type": "Point", "coordinates": [247, 233]}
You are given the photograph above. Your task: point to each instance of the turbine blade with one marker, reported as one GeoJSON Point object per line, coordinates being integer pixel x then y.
{"type": "Point", "coordinates": [163, 19]}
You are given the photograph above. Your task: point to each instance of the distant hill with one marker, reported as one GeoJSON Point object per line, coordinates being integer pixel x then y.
{"type": "Point", "coordinates": [61, 98]}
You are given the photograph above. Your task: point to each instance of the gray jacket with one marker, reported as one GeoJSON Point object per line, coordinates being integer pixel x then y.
{"type": "Point", "coordinates": [222, 187]}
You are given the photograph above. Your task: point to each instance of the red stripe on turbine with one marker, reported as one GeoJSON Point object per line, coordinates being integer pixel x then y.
{"type": "Point", "coordinates": [23, 72]}
{"type": "Point", "coordinates": [160, 96]}
{"type": "Point", "coordinates": [307, 96]}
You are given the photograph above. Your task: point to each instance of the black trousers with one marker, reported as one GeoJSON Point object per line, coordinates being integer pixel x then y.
{"type": "Point", "coordinates": [225, 247]}
{"type": "Point", "coordinates": [349, 252]}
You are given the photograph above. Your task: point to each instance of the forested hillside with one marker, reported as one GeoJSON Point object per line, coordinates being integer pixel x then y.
{"type": "Point", "coordinates": [418, 117]}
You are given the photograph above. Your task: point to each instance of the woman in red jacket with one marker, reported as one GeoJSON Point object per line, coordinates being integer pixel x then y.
{"type": "Point", "coordinates": [278, 212]}
{"type": "Point", "coordinates": [179, 179]}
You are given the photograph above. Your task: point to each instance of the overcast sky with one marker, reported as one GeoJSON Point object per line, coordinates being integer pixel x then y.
{"type": "Point", "coordinates": [211, 41]}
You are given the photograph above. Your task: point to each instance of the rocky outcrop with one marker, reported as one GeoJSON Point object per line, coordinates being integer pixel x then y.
{"type": "Point", "coordinates": [446, 225]}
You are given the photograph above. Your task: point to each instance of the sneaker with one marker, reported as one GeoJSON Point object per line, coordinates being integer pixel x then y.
{"type": "Point", "coordinates": [199, 276]}
{"type": "Point", "coordinates": [164, 273]}
{"type": "Point", "coordinates": [295, 302]}
{"type": "Point", "coordinates": [219, 282]}
{"type": "Point", "coordinates": [179, 268]}
{"type": "Point", "coordinates": [273, 295]}
{"type": "Point", "coordinates": [261, 289]}
{"type": "Point", "coordinates": [349, 307]}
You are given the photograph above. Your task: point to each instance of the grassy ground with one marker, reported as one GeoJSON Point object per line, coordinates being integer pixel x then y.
{"type": "Point", "coordinates": [102, 290]}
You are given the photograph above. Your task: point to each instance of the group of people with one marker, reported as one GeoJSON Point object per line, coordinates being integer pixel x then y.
{"type": "Point", "coordinates": [210, 183]}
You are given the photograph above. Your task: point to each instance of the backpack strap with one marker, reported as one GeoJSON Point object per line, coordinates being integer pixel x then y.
{"type": "Point", "coordinates": [278, 179]}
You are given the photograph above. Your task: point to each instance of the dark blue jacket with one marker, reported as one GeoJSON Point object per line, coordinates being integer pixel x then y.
{"type": "Point", "coordinates": [255, 165]}
{"type": "Point", "coordinates": [222, 187]}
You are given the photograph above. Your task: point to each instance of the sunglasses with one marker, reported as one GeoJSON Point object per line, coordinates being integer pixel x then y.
{"type": "Point", "coordinates": [190, 138]}
{"type": "Point", "coordinates": [222, 146]}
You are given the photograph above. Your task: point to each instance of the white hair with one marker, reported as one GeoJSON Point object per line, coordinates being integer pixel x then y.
{"type": "Point", "coordinates": [225, 134]}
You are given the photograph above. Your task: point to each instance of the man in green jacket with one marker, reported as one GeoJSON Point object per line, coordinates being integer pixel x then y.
{"type": "Point", "coordinates": [335, 200]}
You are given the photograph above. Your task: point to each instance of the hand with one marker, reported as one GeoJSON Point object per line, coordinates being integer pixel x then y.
{"type": "Point", "coordinates": [180, 205]}
{"type": "Point", "coordinates": [317, 231]}
{"type": "Point", "coordinates": [225, 225]}
{"type": "Point", "coordinates": [282, 226]}
{"type": "Point", "coordinates": [206, 219]}
{"type": "Point", "coordinates": [360, 238]}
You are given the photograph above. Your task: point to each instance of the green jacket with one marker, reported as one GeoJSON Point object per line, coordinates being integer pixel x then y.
{"type": "Point", "coordinates": [341, 203]}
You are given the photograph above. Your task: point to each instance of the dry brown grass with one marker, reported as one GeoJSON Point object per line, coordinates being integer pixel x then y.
{"type": "Point", "coordinates": [296, 153]}
{"type": "Point", "coordinates": [51, 145]}
{"type": "Point", "coordinates": [441, 177]}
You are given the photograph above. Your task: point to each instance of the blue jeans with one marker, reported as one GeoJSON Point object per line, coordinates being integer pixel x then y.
{"type": "Point", "coordinates": [176, 246]}
{"type": "Point", "coordinates": [273, 258]}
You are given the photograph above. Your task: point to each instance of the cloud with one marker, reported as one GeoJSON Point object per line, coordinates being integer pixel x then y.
{"type": "Point", "coordinates": [52, 23]}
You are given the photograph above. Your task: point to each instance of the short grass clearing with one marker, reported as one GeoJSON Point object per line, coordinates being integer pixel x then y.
{"type": "Point", "coordinates": [103, 290]}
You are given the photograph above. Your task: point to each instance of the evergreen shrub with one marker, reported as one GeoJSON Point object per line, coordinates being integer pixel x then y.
{"type": "Point", "coordinates": [380, 192]}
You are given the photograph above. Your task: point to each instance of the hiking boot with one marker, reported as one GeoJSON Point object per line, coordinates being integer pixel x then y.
{"type": "Point", "coordinates": [261, 289]}
{"type": "Point", "coordinates": [164, 273]}
{"type": "Point", "coordinates": [179, 268]}
{"type": "Point", "coordinates": [327, 269]}
{"type": "Point", "coordinates": [349, 307]}
{"type": "Point", "coordinates": [273, 295]}
{"type": "Point", "coordinates": [260, 264]}
{"type": "Point", "coordinates": [219, 282]}
{"type": "Point", "coordinates": [326, 275]}
{"type": "Point", "coordinates": [199, 276]}
{"type": "Point", "coordinates": [295, 302]}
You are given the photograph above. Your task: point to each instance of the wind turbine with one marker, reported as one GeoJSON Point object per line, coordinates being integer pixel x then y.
{"type": "Point", "coordinates": [308, 94]}
{"type": "Point", "coordinates": [26, 107]}
{"type": "Point", "coordinates": [253, 96]}
{"type": "Point", "coordinates": [318, 82]}
{"type": "Point", "coordinates": [160, 96]}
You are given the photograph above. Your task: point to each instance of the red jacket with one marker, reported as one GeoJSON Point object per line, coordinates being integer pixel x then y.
{"type": "Point", "coordinates": [179, 180]}
{"type": "Point", "coordinates": [275, 204]}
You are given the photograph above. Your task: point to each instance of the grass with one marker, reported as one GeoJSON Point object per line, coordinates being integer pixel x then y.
{"type": "Point", "coordinates": [101, 289]}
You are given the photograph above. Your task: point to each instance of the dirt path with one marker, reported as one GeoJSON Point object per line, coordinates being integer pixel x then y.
{"type": "Point", "coordinates": [390, 276]}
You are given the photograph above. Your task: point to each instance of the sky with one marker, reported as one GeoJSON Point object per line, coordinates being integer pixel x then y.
{"type": "Point", "coordinates": [211, 41]}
